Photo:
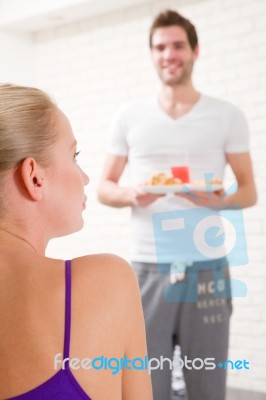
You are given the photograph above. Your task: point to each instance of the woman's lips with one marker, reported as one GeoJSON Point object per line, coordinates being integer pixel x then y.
{"type": "Point", "coordinates": [84, 202]}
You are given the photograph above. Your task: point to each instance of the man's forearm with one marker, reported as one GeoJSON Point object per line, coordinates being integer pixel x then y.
{"type": "Point", "coordinates": [111, 194]}
{"type": "Point", "coordinates": [244, 197]}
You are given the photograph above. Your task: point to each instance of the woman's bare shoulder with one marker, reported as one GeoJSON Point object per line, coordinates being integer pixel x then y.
{"type": "Point", "coordinates": [105, 272]}
{"type": "Point", "coordinates": [102, 258]}
{"type": "Point", "coordinates": [105, 294]}
{"type": "Point", "coordinates": [103, 265]}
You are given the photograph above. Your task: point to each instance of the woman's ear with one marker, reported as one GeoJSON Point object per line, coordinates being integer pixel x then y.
{"type": "Point", "coordinates": [32, 177]}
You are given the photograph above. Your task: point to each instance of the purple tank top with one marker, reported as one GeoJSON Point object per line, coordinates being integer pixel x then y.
{"type": "Point", "coordinates": [62, 385]}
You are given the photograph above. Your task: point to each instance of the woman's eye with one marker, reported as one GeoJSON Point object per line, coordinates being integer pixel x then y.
{"type": "Point", "coordinates": [76, 155]}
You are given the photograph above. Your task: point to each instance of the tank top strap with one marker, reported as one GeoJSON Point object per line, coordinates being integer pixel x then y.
{"type": "Point", "coordinates": [67, 311]}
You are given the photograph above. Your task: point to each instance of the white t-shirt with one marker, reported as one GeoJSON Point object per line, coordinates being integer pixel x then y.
{"type": "Point", "coordinates": [153, 142]}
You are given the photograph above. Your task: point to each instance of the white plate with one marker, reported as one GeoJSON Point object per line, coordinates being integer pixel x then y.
{"type": "Point", "coordinates": [189, 187]}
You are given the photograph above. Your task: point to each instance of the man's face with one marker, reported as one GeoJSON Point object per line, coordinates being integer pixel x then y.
{"type": "Point", "coordinates": [172, 55]}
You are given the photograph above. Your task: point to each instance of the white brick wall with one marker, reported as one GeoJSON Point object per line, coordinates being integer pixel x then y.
{"type": "Point", "coordinates": [16, 50]}
{"type": "Point", "coordinates": [94, 66]}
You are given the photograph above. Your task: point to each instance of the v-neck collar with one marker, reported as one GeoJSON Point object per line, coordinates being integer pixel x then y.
{"type": "Point", "coordinates": [186, 115]}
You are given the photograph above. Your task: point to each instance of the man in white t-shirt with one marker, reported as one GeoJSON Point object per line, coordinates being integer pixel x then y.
{"type": "Point", "coordinates": [179, 126]}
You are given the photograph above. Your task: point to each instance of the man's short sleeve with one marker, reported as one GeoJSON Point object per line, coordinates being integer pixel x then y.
{"type": "Point", "coordinates": [117, 143]}
{"type": "Point", "coordinates": [238, 133]}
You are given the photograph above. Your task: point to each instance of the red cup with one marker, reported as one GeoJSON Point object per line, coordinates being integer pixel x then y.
{"type": "Point", "coordinates": [181, 172]}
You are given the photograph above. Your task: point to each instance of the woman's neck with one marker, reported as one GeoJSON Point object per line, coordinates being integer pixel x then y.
{"type": "Point", "coordinates": [13, 238]}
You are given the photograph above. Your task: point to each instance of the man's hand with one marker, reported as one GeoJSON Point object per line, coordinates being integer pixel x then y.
{"type": "Point", "coordinates": [140, 198]}
{"type": "Point", "coordinates": [206, 199]}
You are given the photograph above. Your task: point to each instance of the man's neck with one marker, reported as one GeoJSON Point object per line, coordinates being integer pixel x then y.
{"type": "Point", "coordinates": [182, 94]}
{"type": "Point", "coordinates": [178, 100]}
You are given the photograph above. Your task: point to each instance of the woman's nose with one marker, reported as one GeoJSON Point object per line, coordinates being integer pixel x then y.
{"type": "Point", "coordinates": [85, 177]}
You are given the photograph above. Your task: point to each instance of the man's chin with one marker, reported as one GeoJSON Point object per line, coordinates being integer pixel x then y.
{"type": "Point", "coordinates": [171, 81]}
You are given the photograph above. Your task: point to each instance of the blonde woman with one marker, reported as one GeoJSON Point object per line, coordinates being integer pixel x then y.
{"type": "Point", "coordinates": [62, 322]}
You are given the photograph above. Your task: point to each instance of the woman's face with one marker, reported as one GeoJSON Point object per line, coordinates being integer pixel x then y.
{"type": "Point", "coordinates": [65, 182]}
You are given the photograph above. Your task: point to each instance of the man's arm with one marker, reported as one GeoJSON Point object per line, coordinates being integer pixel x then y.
{"type": "Point", "coordinates": [245, 196]}
{"type": "Point", "coordinates": [111, 194]}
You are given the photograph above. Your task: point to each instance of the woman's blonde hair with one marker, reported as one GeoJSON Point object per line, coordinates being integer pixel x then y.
{"type": "Point", "coordinates": [27, 126]}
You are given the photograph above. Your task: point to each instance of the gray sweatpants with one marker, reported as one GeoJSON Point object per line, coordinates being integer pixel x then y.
{"type": "Point", "coordinates": [174, 315]}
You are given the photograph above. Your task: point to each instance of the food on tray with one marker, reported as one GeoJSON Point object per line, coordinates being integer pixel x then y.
{"type": "Point", "coordinates": [163, 179]}
{"type": "Point", "coordinates": [214, 181]}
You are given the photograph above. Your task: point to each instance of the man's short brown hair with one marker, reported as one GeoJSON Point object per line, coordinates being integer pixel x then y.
{"type": "Point", "coordinates": [173, 18]}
